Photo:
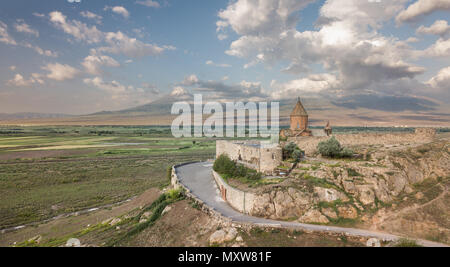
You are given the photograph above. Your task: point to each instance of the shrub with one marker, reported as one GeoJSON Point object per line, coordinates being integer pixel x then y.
{"type": "Point", "coordinates": [333, 149]}
{"type": "Point", "coordinates": [225, 166]}
{"type": "Point", "coordinates": [292, 151]}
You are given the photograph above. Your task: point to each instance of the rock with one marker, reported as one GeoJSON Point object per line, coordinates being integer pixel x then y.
{"type": "Point", "coordinates": [222, 236]}
{"type": "Point", "coordinates": [218, 237]}
{"type": "Point", "coordinates": [166, 210]}
{"type": "Point", "coordinates": [329, 212]}
{"type": "Point", "coordinates": [419, 196]}
{"type": "Point", "coordinates": [239, 239]}
{"type": "Point", "coordinates": [115, 221]}
{"type": "Point", "coordinates": [37, 239]}
{"type": "Point", "coordinates": [348, 212]}
{"type": "Point", "coordinates": [366, 195]}
{"type": "Point", "coordinates": [313, 216]}
{"type": "Point", "coordinates": [373, 242]}
{"type": "Point", "coordinates": [73, 243]}
{"type": "Point", "coordinates": [107, 221]}
{"type": "Point", "coordinates": [145, 216]}
{"type": "Point", "coordinates": [231, 234]}
{"type": "Point", "coordinates": [329, 194]}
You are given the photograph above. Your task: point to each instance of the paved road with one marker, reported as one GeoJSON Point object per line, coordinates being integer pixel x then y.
{"type": "Point", "coordinates": [197, 177]}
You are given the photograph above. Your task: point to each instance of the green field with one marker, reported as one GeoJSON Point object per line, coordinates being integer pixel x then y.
{"type": "Point", "coordinates": [46, 172]}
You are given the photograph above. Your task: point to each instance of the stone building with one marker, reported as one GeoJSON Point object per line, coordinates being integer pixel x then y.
{"type": "Point", "coordinates": [298, 122]}
{"type": "Point", "coordinates": [264, 158]}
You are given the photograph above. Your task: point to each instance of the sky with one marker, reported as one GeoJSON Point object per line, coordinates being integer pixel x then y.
{"type": "Point", "coordinates": [84, 56]}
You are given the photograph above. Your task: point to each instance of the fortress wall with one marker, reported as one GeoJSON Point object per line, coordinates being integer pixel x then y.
{"type": "Point", "coordinates": [238, 152]}
{"type": "Point", "coordinates": [251, 154]}
{"type": "Point", "coordinates": [239, 200]}
{"type": "Point", "coordinates": [421, 135]}
{"type": "Point", "coordinates": [271, 158]}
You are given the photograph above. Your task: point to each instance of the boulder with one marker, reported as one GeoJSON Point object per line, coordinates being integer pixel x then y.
{"type": "Point", "coordinates": [329, 194]}
{"type": "Point", "coordinates": [313, 216]}
{"type": "Point", "coordinates": [348, 212]}
{"type": "Point", "coordinates": [224, 235]}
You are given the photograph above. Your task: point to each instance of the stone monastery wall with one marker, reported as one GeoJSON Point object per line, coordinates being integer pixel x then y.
{"type": "Point", "coordinates": [421, 135]}
{"type": "Point", "coordinates": [252, 154]}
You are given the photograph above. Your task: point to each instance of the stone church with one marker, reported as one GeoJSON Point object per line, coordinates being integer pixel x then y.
{"type": "Point", "coordinates": [298, 123]}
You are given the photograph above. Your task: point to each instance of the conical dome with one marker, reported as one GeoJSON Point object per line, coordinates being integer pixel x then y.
{"type": "Point", "coordinates": [299, 110]}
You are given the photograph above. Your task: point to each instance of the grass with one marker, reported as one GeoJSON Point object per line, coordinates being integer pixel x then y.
{"type": "Point", "coordinates": [36, 185]}
{"type": "Point", "coordinates": [406, 243]}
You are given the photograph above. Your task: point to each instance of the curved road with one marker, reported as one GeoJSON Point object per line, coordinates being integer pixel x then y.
{"type": "Point", "coordinates": [197, 177]}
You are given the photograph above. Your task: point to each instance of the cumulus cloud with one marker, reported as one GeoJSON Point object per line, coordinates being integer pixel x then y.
{"type": "Point", "coordinates": [120, 43]}
{"type": "Point", "coordinates": [121, 94]}
{"type": "Point", "coordinates": [346, 43]}
{"type": "Point", "coordinates": [23, 27]}
{"type": "Point", "coordinates": [114, 42]}
{"type": "Point", "coordinates": [4, 35]}
{"type": "Point", "coordinates": [40, 51]}
{"type": "Point", "coordinates": [149, 3]}
{"type": "Point", "coordinates": [315, 83]}
{"type": "Point", "coordinates": [119, 10]}
{"type": "Point", "coordinates": [93, 63]}
{"type": "Point", "coordinates": [441, 48]}
{"type": "Point", "coordinates": [421, 8]}
{"type": "Point", "coordinates": [92, 16]}
{"type": "Point", "coordinates": [80, 31]}
{"type": "Point", "coordinates": [440, 28]}
{"type": "Point", "coordinates": [60, 72]}
{"type": "Point", "coordinates": [440, 84]}
{"type": "Point", "coordinates": [20, 81]}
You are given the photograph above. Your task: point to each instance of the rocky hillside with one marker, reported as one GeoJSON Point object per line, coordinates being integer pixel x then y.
{"type": "Point", "coordinates": [366, 192]}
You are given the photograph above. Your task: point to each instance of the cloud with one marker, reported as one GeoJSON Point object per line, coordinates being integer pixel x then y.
{"type": "Point", "coordinates": [40, 51]}
{"type": "Point", "coordinates": [4, 35]}
{"type": "Point", "coordinates": [441, 48]}
{"type": "Point", "coordinates": [93, 16]}
{"type": "Point", "coordinates": [21, 26]}
{"type": "Point", "coordinates": [312, 84]}
{"type": "Point", "coordinates": [94, 62]}
{"type": "Point", "coordinates": [440, 85]}
{"type": "Point", "coordinates": [114, 42]}
{"type": "Point", "coordinates": [211, 63]}
{"type": "Point", "coordinates": [119, 10]}
{"type": "Point", "coordinates": [219, 90]}
{"type": "Point", "coordinates": [20, 81]}
{"type": "Point", "coordinates": [149, 3]}
{"type": "Point", "coordinates": [12, 68]}
{"type": "Point", "coordinates": [80, 31]}
{"type": "Point", "coordinates": [190, 80]}
{"type": "Point", "coordinates": [120, 43]}
{"type": "Point", "coordinates": [60, 72]}
{"type": "Point", "coordinates": [346, 41]}
{"type": "Point", "coordinates": [122, 95]}
{"type": "Point", "coordinates": [422, 8]}
{"type": "Point", "coordinates": [440, 28]}
{"type": "Point", "coordinates": [39, 15]}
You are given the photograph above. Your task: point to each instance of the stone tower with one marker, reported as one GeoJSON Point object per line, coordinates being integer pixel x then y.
{"type": "Point", "coordinates": [299, 118]}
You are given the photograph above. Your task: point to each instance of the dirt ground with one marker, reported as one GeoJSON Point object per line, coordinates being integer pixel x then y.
{"type": "Point", "coordinates": [185, 226]}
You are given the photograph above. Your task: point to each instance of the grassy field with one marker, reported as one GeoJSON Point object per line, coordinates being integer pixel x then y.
{"type": "Point", "coordinates": [46, 172]}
